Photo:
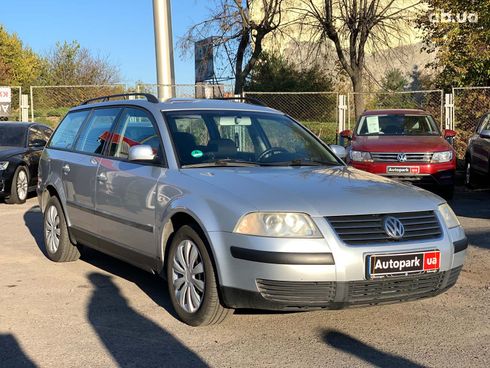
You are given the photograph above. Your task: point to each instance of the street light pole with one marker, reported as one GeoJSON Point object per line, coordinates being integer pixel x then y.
{"type": "Point", "coordinates": [164, 49]}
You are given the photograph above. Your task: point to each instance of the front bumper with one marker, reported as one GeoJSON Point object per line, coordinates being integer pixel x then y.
{"type": "Point", "coordinates": [293, 274]}
{"type": "Point", "coordinates": [440, 174]}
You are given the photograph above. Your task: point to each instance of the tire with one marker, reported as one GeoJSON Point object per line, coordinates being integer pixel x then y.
{"type": "Point", "coordinates": [205, 308]}
{"type": "Point", "coordinates": [57, 242]}
{"type": "Point", "coordinates": [19, 187]}
{"type": "Point", "coordinates": [469, 175]}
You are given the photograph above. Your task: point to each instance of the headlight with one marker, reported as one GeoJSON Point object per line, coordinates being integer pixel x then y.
{"type": "Point", "coordinates": [287, 225]}
{"type": "Point", "coordinates": [4, 165]}
{"type": "Point", "coordinates": [360, 156]}
{"type": "Point", "coordinates": [444, 156]}
{"type": "Point", "coordinates": [449, 216]}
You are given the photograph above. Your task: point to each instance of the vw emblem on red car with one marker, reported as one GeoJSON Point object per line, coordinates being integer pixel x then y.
{"type": "Point", "coordinates": [394, 227]}
{"type": "Point", "coordinates": [401, 157]}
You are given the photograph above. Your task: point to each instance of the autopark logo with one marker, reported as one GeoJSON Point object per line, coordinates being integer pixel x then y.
{"type": "Point", "coordinates": [442, 16]}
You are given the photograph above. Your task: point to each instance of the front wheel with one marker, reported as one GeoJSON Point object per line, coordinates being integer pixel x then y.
{"type": "Point", "coordinates": [20, 186]}
{"type": "Point", "coordinates": [191, 279]}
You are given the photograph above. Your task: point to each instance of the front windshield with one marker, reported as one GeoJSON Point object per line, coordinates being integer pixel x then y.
{"type": "Point", "coordinates": [227, 138]}
{"type": "Point", "coordinates": [397, 125]}
{"type": "Point", "coordinates": [13, 136]}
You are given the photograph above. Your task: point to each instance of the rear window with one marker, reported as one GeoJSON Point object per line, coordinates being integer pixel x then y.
{"type": "Point", "coordinates": [64, 136]}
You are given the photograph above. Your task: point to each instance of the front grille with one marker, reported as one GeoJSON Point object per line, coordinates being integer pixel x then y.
{"type": "Point", "coordinates": [395, 289]}
{"type": "Point", "coordinates": [297, 293]}
{"type": "Point", "coordinates": [393, 157]}
{"type": "Point", "coordinates": [369, 229]}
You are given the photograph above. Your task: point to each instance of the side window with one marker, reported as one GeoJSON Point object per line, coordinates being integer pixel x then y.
{"type": "Point", "coordinates": [135, 127]}
{"type": "Point", "coordinates": [97, 130]}
{"type": "Point", "coordinates": [65, 135]}
{"type": "Point", "coordinates": [486, 123]}
{"type": "Point", "coordinates": [46, 132]}
{"type": "Point", "coordinates": [35, 135]}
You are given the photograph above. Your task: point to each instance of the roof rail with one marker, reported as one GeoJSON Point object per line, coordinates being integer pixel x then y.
{"type": "Point", "coordinates": [149, 97]}
{"type": "Point", "coordinates": [251, 100]}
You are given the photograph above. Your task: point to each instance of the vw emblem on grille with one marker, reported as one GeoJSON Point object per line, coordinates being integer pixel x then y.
{"type": "Point", "coordinates": [393, 227]}
{"type": "Point", "coordinates": [401, 157]}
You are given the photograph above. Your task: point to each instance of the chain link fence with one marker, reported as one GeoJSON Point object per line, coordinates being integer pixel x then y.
{"type": "Point", "coordinates": [50, 103]}
{"type": "Point", "coordinates": [316, 110]}
{"type": "Point", "coordinates": [15, 102]}
{"type": "Point", "coordinates": [470, 103]}
{"type": "Point", "coordinates": [431, 101]}
{"type": "Point", "coordinates": [188, 90]}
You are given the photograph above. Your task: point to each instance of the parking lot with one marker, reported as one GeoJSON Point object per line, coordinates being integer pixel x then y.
{"type": "Point", "coordinates": [100, 312]}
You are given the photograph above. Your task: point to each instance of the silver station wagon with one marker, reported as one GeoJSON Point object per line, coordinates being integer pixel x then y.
{"type": "Point", "coordinates": [237, 205]}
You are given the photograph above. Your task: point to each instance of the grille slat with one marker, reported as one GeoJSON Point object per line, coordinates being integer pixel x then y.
{"type": "Point", "coordinates": [393, 156]}
{"type": "Point", "coordinates": [369, 229]}
{"type": "Point", "coordinates": [297, 292]}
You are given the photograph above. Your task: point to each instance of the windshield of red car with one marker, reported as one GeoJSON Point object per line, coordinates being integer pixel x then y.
{"type": "Point", "coordinates": [395, 124]}
{"type": "Point", "coordinates": [13, 136]}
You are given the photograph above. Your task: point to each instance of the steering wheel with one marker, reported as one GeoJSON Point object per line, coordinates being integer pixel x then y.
{"type": "Point", "coordinates": [271, 151]}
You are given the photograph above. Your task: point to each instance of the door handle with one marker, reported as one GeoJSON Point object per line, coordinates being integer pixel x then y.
{"type": "Point", "coordinates": [66, 168]}
{"type": "Point", "coordinates": [102, 178]}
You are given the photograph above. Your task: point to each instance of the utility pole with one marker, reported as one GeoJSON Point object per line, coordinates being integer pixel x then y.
{"type": "Point", "coordinates": [164, 49]}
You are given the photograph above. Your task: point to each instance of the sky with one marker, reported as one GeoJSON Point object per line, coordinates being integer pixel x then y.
{"type": "Point", "coordinates": [121, 30]}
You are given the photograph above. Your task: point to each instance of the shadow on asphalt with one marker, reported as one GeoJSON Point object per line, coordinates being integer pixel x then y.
{"type": "Point", "coordinates": [11, 354]}
{"type": "Point", "coordinates": [33, 219]}
{"type": "Point", "coordinates": [369, 354]}
{"type": "Point", "coordinates": [471, 204]}
{"type": "Point", "coordinates": [132, 339]}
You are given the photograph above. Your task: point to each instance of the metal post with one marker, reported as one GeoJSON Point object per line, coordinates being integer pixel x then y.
{"type": "Point", "coordinates": [449, 111]}
{"type": "Point", "coordinates": [342, 110]}
{"type": "Point", "coordinates": [164, 48]}
{"type": "Point", "coordinates": [32, 105]}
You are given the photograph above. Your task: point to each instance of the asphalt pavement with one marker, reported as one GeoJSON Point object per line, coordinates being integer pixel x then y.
{"type": "Point", "coordinates": [100, 312]}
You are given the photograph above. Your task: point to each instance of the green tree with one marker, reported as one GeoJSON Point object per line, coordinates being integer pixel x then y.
{"type": "Point", "coordinates": [394, 81]}
{"type": "Point", "coordinates": [462, 49]}
{"type": "Point", "coordinates": [71, 64]}
{"type": "Point", "coordinates": [277, 74]}
{"type": "Point", "coordinates": [19, 65]}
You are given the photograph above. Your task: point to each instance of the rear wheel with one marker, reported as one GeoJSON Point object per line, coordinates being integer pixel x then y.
{"type": "Point", "coordinates": [191, 279]}
{"type": "Point", "coordinates": [19, 187]}
{"type": "Point", "coordinates": [57, 242]}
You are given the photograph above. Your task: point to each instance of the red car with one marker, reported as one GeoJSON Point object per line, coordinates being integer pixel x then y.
{"type": "Point", "coordinates": [405, 145]}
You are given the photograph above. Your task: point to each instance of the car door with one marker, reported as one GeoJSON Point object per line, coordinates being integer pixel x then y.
{"type": "Point", "coordinates": [481, 147]}
{"type": "Point", "coordinates": [125, 199]}
{"type": "Point", "coordinates": [34, 150]}
{"type": "Point", "coordinates": [79, 169]}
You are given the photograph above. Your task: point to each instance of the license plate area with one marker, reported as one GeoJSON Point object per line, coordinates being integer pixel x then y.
{"type": "Point", "coordinates": [386, 265]}
{"type": "Point", "coordinates": [403, 170]}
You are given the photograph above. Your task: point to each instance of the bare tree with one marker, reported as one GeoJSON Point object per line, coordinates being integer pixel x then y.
{"type": "Point", "coordinates": [355, 26]}
{"type": "Point", "coordinates": [239, 28]}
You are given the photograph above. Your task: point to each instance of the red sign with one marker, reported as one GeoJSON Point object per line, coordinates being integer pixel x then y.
{"type": "Point", "coordinates": [432, 260]}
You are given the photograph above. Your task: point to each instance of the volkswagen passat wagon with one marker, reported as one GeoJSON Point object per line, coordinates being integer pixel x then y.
{"type": "Point", "coordinates": [237, 205]}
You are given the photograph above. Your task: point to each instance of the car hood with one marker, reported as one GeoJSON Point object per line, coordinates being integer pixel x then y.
{"type": "Point", "coordinates": [318, 191]}
{"type": "Point", "coordinates": [7, 151]}
{"type": "Point", "coordinates": [400, 144]}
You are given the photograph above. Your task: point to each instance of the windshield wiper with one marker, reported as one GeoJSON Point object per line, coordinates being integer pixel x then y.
{"type": "Point", "coordinates": [301, 162]}
{"type": "Point", "coordinates": [222, 162]}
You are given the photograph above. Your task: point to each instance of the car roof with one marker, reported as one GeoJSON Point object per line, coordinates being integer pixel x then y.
{"type": "Point", "coordinates": [175, 104]}
{"type": "Point", "coordinates": [395, 112]}
{"type": "Point", "coordinates": [21, 124]}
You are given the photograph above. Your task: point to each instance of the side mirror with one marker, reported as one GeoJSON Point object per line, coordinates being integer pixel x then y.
{"type": "Point", "coordinates": [448, 133]}
{"type": "Point", "coordinates": [37, 143]}
{"type": "Point", "coordinates": [485, 133]}
{"type": "Point", "coordinates": [339, 151]}
{"type": "Point", "coordinates": [141, 152]}
{"type": "Point", "coordinates": [346, 134]}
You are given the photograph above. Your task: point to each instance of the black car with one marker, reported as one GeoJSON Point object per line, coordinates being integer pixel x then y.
{"type": "Point", "coordinates": [478, 152]}
{"type": "Point", "coordinates": [21, 145]}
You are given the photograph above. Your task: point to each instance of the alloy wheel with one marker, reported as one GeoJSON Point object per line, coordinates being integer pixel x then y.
{"type": "Point", "coordinates": [52, 229]}
{"type": "Point", "coordinates": [188, 276]}
{"type": "Point", "coordinates": [22, 185]}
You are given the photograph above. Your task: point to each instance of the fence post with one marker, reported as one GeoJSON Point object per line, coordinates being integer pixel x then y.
{"type": "Point", "coordinates": [32, 104]}
{"type": "Point", "coordinates": [24, 107]}
{"type": "Point", "coordinates": [342, 109]}
{"type": "Point", "coordinates": [449, 111]}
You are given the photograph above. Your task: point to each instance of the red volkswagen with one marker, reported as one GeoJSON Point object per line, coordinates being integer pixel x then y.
{"type": "Point", "coordinates": [405, 145]}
